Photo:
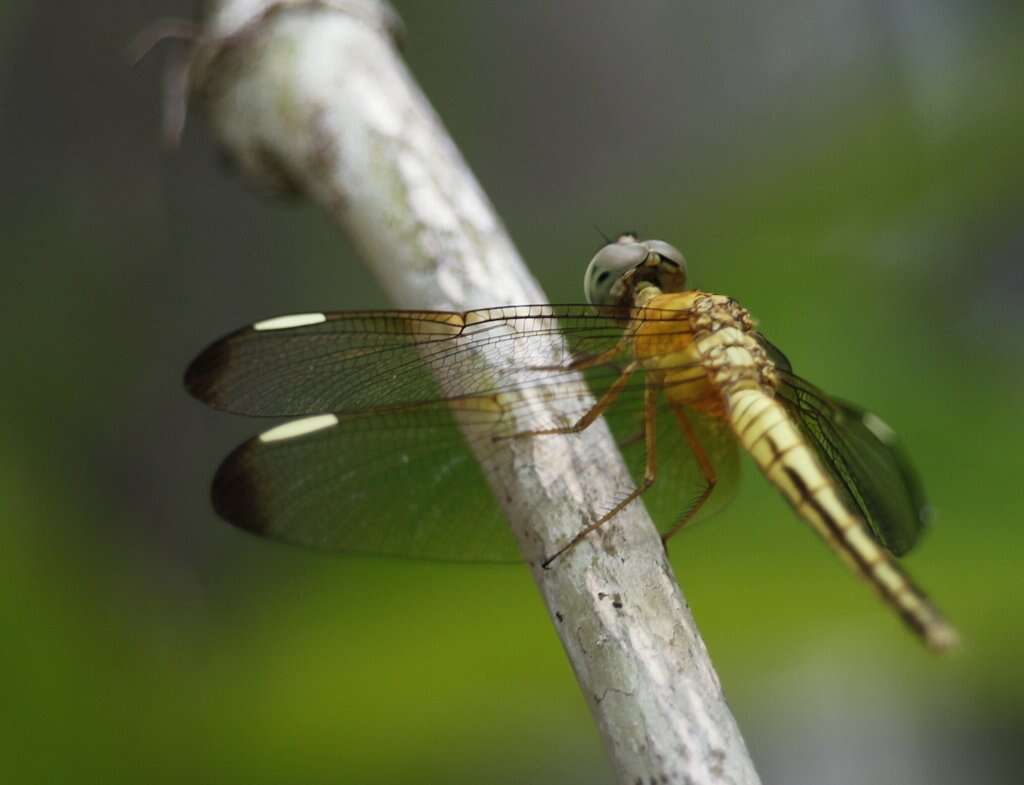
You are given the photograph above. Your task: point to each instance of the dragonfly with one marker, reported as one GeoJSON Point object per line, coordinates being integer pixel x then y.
{"type": "Point", "coordinates": [397, 411]}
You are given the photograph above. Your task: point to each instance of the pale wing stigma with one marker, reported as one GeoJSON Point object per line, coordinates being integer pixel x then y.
{"type": "Point", "coordinates": [296, 428]}
{"type": "Point", "coordinates": [290, 321]}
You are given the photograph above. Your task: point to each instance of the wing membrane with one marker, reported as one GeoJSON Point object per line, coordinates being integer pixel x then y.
{"type": "Point", "coordinates": [406, 483]}
{"type": "Point", "coordinates": [353, 361]}
{"type": "Point", "coordinates": [394, 484]}
{"type": "Point", "coordinates": [390, 472]}
{"type": "Point", "coordinates": [863, 455]}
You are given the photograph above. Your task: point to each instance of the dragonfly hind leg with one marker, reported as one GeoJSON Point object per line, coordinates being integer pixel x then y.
{"type": "Point", "coordinates": [650, 469]}
{"type": "Point", "coordinates": [710, 476]}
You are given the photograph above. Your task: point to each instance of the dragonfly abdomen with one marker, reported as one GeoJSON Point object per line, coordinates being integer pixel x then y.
{"type": "Point", "coordinates": [778, 446]}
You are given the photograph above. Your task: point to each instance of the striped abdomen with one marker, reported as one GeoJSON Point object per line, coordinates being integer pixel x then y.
{"type": "Point", "coordinates": [783, 454]}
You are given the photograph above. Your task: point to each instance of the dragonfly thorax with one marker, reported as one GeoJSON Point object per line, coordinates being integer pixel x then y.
{"type": "Point", "coordinates": [618, 269]}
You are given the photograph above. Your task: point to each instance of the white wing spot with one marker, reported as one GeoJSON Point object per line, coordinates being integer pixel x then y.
{"type": "Point", "coordinates": [287, 322]}
{"type": "Point", "coordinates": [878, 427]}
{"type": "Point", "coordinates": [291, 430]}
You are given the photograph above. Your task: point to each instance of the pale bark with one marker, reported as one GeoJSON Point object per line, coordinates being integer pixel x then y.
{"type": "Point", "coordinates": [313, 97]}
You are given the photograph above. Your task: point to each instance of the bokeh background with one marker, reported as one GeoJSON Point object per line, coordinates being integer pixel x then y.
{"type": "Point", "coordinates": [851, 171]}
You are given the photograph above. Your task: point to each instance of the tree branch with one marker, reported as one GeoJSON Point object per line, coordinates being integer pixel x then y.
{"type": "Point", "coordinates": [312, 97]}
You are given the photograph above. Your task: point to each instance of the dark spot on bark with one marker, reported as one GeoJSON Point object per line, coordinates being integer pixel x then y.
{"type": "Point", "coordinates": [717, 761]}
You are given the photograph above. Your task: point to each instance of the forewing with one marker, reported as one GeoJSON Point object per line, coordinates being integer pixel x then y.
{"type": "Point", "coordinates": [865, 457]}
{"type": "Point", "coordinates": [353, 361]}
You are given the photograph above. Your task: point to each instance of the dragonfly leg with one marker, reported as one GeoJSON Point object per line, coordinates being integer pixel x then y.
{"type": "Point", "coordinates": [650, 472]}
{"type": "Point", "coordinates": [583, 363]}
{"type": "Point", "coordinates": [710, 477]}
{"type": "Point", "coordinates": [595, 411]}
{"type": "Point", "coordinates": [590, 360]}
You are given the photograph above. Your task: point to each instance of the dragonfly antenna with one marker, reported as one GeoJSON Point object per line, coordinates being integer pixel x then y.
{"type": "Point", "coordinates": [606, 238]}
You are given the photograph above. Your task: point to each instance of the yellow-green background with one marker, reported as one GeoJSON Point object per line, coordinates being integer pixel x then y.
{"type": "Point", "coordinates": [851, 172]}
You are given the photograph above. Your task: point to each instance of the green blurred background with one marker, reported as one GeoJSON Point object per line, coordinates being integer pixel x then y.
{"type": "Point", "coordinates": [850, 171]}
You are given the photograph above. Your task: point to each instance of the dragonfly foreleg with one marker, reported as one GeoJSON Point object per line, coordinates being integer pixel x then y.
{"type": "Point", "coordinates": [650, 472]}
{"type": "Point", "coordinates": [584, 362]}
{"type": "Point", "coordinates": [710, 477]}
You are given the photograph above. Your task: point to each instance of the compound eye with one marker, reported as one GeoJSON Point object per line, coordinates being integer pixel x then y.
{"type": "Point", "coordinates": [608, 266]}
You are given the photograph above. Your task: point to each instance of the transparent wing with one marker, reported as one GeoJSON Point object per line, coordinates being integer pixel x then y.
{"type": "Point", "coordinates": [392, 483]}
{"type": "Point", "coordinates": [406, 483]}
{"type": "Point", "coordinates": [352, 361]}
{"type": "Point", "coordinates": [392, 473]}
{"type": "Point", "coordinates": [863, 454]}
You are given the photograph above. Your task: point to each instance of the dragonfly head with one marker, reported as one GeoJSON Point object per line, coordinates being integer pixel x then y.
{"type": "Point", "coordinates": [619, 267]}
